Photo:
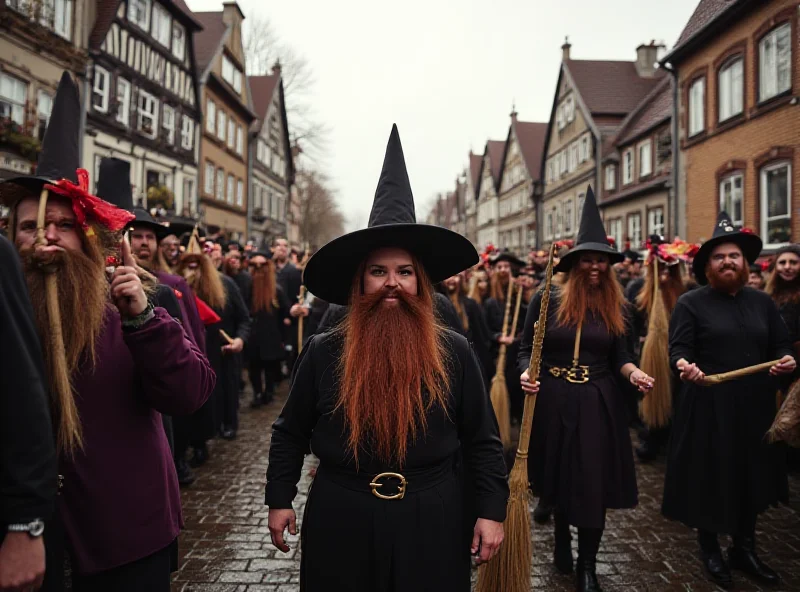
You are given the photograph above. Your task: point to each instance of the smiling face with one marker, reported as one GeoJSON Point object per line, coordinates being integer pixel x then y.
{"type": "Point", "coordinates": [502, 269]}
{"type": "Point", "coordinates": [726, 269]}
{"type": "Point", "coordinates": [61, 229]}
{"type": "Point", "coordinates": [390, 269]}
{"type": "Point", "coordinates": [593, 265]}
{"type": "Point", "coordinates": [788, 267]}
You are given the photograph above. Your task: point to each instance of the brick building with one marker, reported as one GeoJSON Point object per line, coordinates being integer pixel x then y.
{"type": "Point", "coordinates": [736, 64]}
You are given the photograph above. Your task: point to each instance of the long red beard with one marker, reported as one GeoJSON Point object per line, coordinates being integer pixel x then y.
{"type": "Point", "coordinates": [604, 301]}
{"type": "Point", "coordinates": [391, 374]}
{"type": "Point", "coordinates": [264, 290]}
{"type": "Point", "coordinates": [727, 284]}
{"type": "Point", "coordinates": [204, 280]}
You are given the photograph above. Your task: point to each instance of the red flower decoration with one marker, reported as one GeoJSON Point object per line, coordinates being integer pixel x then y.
{"type": "Point", "coordinates": [112, 261]}
{"type": "Point", "coordinates": [765, 265]}
{"type": "Point", "coordinates": [85, 205]}
{"type": "Point", "coordinates": [746, 230]}
{"type": "Point", "coordinates": [611, 241]}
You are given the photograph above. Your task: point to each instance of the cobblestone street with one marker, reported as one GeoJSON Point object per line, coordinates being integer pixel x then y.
{"type": "Point", "coordinates": [226, 546]}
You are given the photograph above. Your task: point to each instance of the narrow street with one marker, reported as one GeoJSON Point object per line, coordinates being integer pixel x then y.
{"type": "Point", "coordinates": [226, 546]}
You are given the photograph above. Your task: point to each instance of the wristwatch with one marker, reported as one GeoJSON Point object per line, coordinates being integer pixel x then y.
{"type": "Point", "coordinates": [34, 528]}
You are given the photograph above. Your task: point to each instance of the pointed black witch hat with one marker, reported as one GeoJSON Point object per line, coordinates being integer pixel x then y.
{"type": "Point", "coordinates": [726, 232]}
{"type": "Point", "coordinates": [591, 236]}
{"type": "Point", "coordinates": [58, 158]}
{"type": "Point", "coordinates": [392, 223]}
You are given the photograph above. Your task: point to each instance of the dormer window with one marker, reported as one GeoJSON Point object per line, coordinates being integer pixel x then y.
{"type": "Point", "coordinates": [162, 25]}
{"type": "Point", "coordinates": [178, 41]}
{"type": "Point", "coordinates": [139, 13]}
{"type": "Point", "coordinates": [231, 74]}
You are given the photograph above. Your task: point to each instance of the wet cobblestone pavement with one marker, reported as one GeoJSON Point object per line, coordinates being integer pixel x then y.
{"type": "Point", "coordinates": [226, 546]}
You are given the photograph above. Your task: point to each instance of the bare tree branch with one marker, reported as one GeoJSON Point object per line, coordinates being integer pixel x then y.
{"type": "Point", "coordinates": [321, 220]}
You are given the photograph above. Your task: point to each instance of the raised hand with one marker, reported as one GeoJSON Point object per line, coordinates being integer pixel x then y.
{"type": "Point", "coordinates": [127, 292]}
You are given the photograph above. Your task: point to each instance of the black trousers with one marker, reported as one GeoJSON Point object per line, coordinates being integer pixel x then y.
{"type": "Point", "coordinates": [152, 573]}
{"type": "Point", "coordinates": [269, 370]}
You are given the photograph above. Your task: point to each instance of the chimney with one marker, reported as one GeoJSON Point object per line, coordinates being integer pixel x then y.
{"type": "Point", "coordinates": [514, 112]}
{"type": "Point", "coordinates": [647, 58]}
{"type": "Point", "coordinates": [565, 49]}
{"type": "Point", "coordinates": [232, 14]}
{"type": "Point", "coordinates": [276, 68]}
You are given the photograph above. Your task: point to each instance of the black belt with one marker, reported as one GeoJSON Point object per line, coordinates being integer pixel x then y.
{"type": "Point", "coordinates": [409, 481]}
{"type": "Point", "coordinates": [578, 374]}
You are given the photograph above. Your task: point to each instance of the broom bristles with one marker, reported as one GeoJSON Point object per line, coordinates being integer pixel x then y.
{"type": "Point", "coordinates": [500, 404]}
{"type": "Point", "coordinates": [656, 408]}
{"type": "Point", "coordinates": [510, 569]}
{"type": "Point", "coordinates": [786, 426]}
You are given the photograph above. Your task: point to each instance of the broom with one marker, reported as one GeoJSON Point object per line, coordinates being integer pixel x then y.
{"type": "Point", "coordinates": [300, 298]}
{"type": "Point", "coordinates": [499, 392]}
{"type": "Point", "coordinates": [510, 570]}
{"type": "Point", "coordinates": [656, 408]}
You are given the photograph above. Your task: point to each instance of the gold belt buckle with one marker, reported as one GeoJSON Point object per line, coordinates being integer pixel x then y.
{"type": "Point", "coordinates": [401, 488]}
{"type": "Point", "coordinates": [557, 372]}
{"type": "Point", "coordinates": [577, 375]}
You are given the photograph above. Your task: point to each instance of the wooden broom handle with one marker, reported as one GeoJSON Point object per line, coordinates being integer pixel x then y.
{"type": "Point", "coordinates": [734, 374]}
{"type": "Point", "coordinates": [501, 355]}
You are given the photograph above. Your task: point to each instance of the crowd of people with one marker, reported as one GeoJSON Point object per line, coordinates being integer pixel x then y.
{"type": "Point", "coordinates": [128, 342]}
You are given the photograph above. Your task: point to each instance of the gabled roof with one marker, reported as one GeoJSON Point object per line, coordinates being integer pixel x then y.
{"type": "Point", "coordinates": [699, 24]}
{"type": "Point", "coordinates": [655, 109]}
{"type": "Point", "coordinates": [181, 6]}
{"type": "Point", "coordinates": [495, 150]}
{"type": "Point", "coordinates": [207, 42]}
{"type": "Point", "coordinates": [531, 137]}
{"type": "Point", "coordinates": [262, 89]}
{"type": "Point", "coordinates": [106, 11]}
{"type": "Point", "coordinates": [475, 161]}
{"type": "Point", "coordinates": [610, 87]}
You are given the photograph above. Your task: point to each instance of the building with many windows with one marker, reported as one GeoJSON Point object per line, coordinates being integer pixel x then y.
{"type": "Point", "coordinates": [228, 110]}
{"type": "Point", "coordinates": [487, 202]}
{"type": "Point", "coordinates": [737, 66]}
{"type": "Point", "coordinates": [272, 165]}
{"type": "Point", "coordinates": [471, 177]}
{"type": "Point", "coordinates": [143, 102]}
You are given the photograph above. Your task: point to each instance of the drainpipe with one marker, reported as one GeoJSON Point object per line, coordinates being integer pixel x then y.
{"type": "Point", "coordinates": [250, 184]}
{"type": "Point", "coordinates": [673, 195]}
{"type": "Point", "coordinates": [82, 122]}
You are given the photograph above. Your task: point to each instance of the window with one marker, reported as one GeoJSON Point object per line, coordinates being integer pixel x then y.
{"type": "Point", "coordinates": [123, 101]}
{"type": "Point", "coordinates": [697, 97]}
{"type": "Point", "coordinates": [211, 117]}
{"type": "Point", "coordinates": [162, 25]}
{"type": "Point", "coordinates": [101, 89]}
{"type": "Point", "coordinates": [775, 62]}
{"type": "Point", "coordinates": [187, 132]}
{"type": "Point", "coordinates": [44, 104]}
{"type": "Point", "coordinates": [188, 194]}
{"type": "Point", "coordinates": [178, 41]}
{"type": "Point", "coordinates": [568, 215]}
{"type": "Point", "coordinates": [563, 166]}
{"type": "Point", "coordinates": [776, 222]}
{"type": "Point", "coordinates": [231, 74]}
{"type": "Point", "coordinates": [139, 13]}
{"type": "Point", "coordinates": [231, 133]}
{"type": "Point", "coordinates": [731, 89]}
{"type": "Point", "coordinates": [148, 114]}
{"type": "Point", "coordinates": [655, 222]}
{"type": "Point", "coordinates": [549, 229]}
{"type": "Point", "coordinates": [240, 193]}
{"type": "Point", "coordinates": [208, 179]}
{"type": "Point", "coordinates": [220, 185]}
{"type": "Point", "coordinates": [645, 159]}
{"type": "Point", "coordinates": [573, 157]}
{"type": "Point", "coordinates": [239, 140]}
{"type": "Point", "coordinates": [731, 198]}
{"type": "Point", "coordinates": [231, 186]}
{"type": "Point", "coordinates": [55, 15]}
{"type": "Point", "coordinates": [585, 149]}
{"type": "Point", "coordinates": [168, 122]}
{"type": "Point", "coordinates": [627, 167]}
{"type": "Point", "coordinates": [579, 213]}
{"type": "Point", "coordinates": [635, 230]}
{"type": "Point", "coordinates": [615, 230]}
{"type": "Point", "coordinates": [611, 177]}
{"type": "Point", "coordinates": [221, 119]}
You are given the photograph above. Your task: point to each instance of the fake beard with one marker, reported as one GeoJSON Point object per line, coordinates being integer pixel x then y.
{"type": "Point", "coordinates": [727, 283]}
{"type": "Point", "coordinates": [204, 280]}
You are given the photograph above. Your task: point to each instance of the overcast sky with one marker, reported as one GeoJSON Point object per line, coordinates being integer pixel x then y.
{"type": "Point", "coordinates": [447, 72]}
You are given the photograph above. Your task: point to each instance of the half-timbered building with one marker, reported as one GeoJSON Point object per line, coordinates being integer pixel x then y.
{"type": "Point", "coordinates": [144, 100]}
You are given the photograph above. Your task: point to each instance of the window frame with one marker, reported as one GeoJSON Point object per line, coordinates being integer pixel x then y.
{"type": "Point", "coordinates": [764, 200]}
{"type": "Point", "coordinates": [158, 19]}
{"type": "Point", "coordinates": [209, 178]}
{"type": "Point", "coordinates": [787, 23]}
{"type": "Point", "coordinates": [610, 174]}
{"type": "Point", "coordinates": [569, 217]}
{"type": "Point", "coordinates": [230, 189]}
{"type": "Point", "coordinates": [240, 193]}
{"type": "Point", "coordinates": [222, 125]}
{"type": "Point", "coordinates": [653, 228]}
{"type": "Point", "coordinates": [691, 132]}
{"type": "Point", "coordinates": [211, 117]}
{"type": "Point", "coordinates": [730, 177]}
{"type": "Point", "coordinates": [130, 17]}
{"type": "Point", "coordinates": [105, 95]}
{"type": "Point", "coordinates": [230, 138]}
{"type": "Point", "coordinates": [187, 132]}
{"type": "Point", "coordinates": [164, 124]}
{"type": "Point", "coordinates": [628, 163]}
{"type": "Point", "coordinates": [140, 113]}
{"type": "Point", "coordinates": [219, 185]}
{"type": "Point", "coordinates": [635, 244]}
{"type": "Point", "coordinates": [123, 115]}
{"type": "Point", "coordinates": [726, 66]}
{"type": "Point", "coordinates": [648, 143]}
{"type": "Point", "coordinates": [178, 41]}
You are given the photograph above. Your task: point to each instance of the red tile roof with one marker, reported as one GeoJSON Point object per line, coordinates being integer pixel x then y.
{"type": "Point", "coordinates": [182, 7]}
{"type": "Point", "coordinates": [495, 149]}
{"type": "Point", "coordinates": [610, 87]}
{"type": "Point", "coordinates": [531, 137]}
{"type": "Point", "coordinates": [654, 110]}
{"type": "Point", "coordinates": [206, 42]}
{"type": "Point", "coordinates": [106, 11]}
{"type": "Point", "coordinates": [262, 89]}
{"type": "Point", "coordinates": [706, 12]}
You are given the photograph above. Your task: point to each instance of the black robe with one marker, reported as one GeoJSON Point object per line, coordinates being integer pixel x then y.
{"type": "Point", "coordinates": [419, 543]}
{"type": "Point", "coordinates": [495, 312]}
{"type": "Point", "coordinates": [720, 470]}
{"type": "Point", "coordinates": [478, 335]}
{"type": "Point", "coordinates": [290, 279]}
{"type": "Point", "coordinates": [269, 333]}
{"type": "Point", "coordinates": [581, 460]}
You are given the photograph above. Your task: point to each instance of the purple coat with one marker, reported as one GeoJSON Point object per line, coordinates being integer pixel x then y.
{"type": "Point", "coordinates": [120, 501]}
{"type": "Point", "coordinates": [191, 318]}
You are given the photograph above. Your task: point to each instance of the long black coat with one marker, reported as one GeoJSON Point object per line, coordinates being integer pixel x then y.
{"type": "Point", "coordinates": [419, 543]}
{"type": "Point", "coordinates": [720, 469]}
{"type": "Point", "coordinates": [269, 333]}
{"type": "Point", "coordinates": [290, 279]}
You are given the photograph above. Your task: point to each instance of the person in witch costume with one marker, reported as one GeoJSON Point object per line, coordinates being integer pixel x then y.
{"type": "Point", "coordinates": [113, 362]}
{"type": "Point", "coordinates": [220, 292]}
{"type": "Point", "coordinates": [392, 404]}
{"type": "Point", "coordinates": [721, 470]}
{"type": "Point", "coordinates": [583, 463]}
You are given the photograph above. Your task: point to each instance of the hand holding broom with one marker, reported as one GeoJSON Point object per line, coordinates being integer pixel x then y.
{"type": "Point", "coordinates": [499, 391]}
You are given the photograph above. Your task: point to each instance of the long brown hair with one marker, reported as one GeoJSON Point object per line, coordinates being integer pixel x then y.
{"type": "Point", "coordinates": [474, 290]}
{"type": "Point", "coordinates": [781, 291]}
{"type": "Point", "coordinates": [207, 283]}
{"type": "Point", "coordinates": [265, 291]}
{"type": "Point", "coordinates": [605, 301]}
{"type": "Point", "coordinates": [496, 288]}
{"type": "Point", "coordinates": [670, 292]}
{"type": "Point", "coordinates": [392, 371]}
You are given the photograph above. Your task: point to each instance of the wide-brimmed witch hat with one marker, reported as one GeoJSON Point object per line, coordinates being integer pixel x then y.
{"type": "Point", "coordinates": [591, 236]}
{"type": "Point", "coordinates": [726, 232]}
{"type": "Point", "coordinates": [506, 256]}
{"type": "Point", "coordinates": [392, 223]}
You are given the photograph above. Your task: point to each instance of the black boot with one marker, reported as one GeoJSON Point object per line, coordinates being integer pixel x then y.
{"type": "Point", "coordinates": [742, 556]}
{"type": "Point", "coordinates": [715, 565]}
{"type": "Point", "coordinates": [257, 401]}
{"type": "Point", "coordinates": [541, 515]}
{"type": "Point", "coordinates": [588, 545]}
{"type": "Point", "coordinates": [185, 475]}
{"type": "Point", "coordinates": [200, 456]}
{"type": "Point", "coordinates": [562, 554]}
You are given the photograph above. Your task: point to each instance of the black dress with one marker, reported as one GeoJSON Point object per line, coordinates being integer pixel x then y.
{"type": "Point", "coordinates": [720, 469]}
{"type": "Point", "coordinates": [580, 460]}
{"type": "Point", "coordinates": [478, 335]}
{"type": "Point", "coordinates": [266, 348]}
{"type": "Point", "coordinates": [351, 540]}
